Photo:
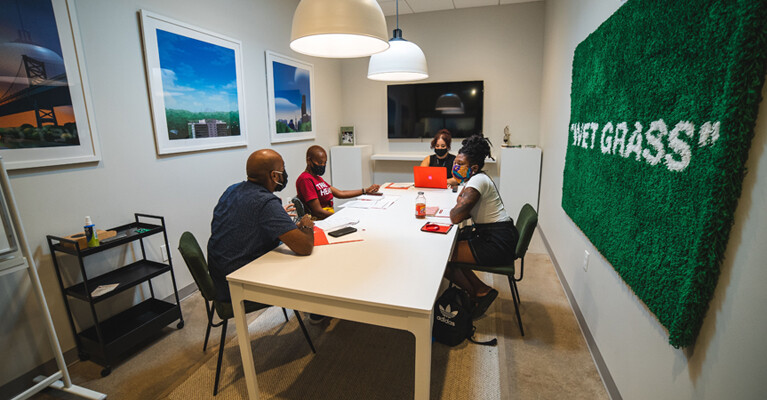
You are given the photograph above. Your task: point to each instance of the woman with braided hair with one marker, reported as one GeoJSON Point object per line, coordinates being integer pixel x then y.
{"type": "Point", "coordinates": [492, 239]}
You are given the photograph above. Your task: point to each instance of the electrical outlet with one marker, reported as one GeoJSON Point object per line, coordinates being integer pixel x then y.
{"type": "Point", "coordinates": [586, 260]}
{"type": "Point", "coordinates": [164, 251]}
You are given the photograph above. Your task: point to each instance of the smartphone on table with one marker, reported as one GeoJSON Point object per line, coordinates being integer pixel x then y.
{"type": "Point", "coordinates": [343, 231]}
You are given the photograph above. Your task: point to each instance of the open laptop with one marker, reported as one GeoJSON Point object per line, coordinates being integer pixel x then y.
{"type": "Point", "coordinates": [430, 177]}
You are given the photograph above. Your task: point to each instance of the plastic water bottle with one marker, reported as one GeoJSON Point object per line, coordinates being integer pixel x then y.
{"type": "Point", "coordinates": [90, 233]}
{"type": "Point", "coordinates": [420, 206]}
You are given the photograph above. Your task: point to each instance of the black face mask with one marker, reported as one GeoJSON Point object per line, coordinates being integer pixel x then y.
{"type": "Point", "coordinates": [318, 169]}
{"type": "Point", "coordinates": [440, 152]}
{"type": "Point", "coordinates": [283, 182]}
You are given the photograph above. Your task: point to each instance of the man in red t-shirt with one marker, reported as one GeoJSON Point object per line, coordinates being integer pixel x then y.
{"type": "Point", "coordinates": [317, 194]}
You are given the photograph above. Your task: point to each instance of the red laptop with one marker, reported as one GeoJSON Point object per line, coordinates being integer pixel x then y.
{"type": "Point", "coordinates": [430, 177]}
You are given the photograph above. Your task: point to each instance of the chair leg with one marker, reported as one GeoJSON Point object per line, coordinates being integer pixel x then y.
{"type": "Point", "coordinates": [303, 328]}
{"type": "Point", "coordinates": [285, 313]}
{"type": "Point", "coordinates": [515, 298]}
{"type": "Point", "coordinates": [220, 356]}
{"type": "Point", "coordinates": [209, 310]}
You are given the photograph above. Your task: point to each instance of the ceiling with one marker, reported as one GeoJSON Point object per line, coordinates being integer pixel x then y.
{"type": "Point", "coordinates": [418, 6]}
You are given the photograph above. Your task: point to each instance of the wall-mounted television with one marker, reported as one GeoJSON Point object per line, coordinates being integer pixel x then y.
{"type": "Point", "coordinates": [419, 110]}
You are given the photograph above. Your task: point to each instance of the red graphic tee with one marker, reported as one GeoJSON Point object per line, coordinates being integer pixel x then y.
{"type": "Point", "coordinates": [311, 187]}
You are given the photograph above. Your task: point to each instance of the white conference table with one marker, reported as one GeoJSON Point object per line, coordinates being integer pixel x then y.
{"type": "Point", "coordinates": [390, 278]}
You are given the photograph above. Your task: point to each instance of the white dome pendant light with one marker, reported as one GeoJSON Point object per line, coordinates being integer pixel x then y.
{"type": "Point", "coordinates": [404, 61]}
{"type": "Point", "coordinates": [338, 28]}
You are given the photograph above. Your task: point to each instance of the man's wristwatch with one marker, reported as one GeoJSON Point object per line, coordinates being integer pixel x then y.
{"type": "Point", "coordinates": [363, 190]}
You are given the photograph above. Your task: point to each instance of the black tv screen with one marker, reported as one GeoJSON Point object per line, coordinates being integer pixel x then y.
{"type": "Point", "coordinates": [419, 110]}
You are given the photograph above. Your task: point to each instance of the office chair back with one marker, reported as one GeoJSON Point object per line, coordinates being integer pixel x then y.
{"type": "Point", "coordinates": [526, 223]}
{"type": "Point", "coordinates": [300, 209]}
{"type": "Point", "coordinates": [195, 261]}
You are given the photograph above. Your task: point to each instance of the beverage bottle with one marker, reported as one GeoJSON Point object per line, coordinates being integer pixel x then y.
{"type": "Point", "coordinates": [420, 206]}
{"type": "Point", "coordinates": [90, 233]}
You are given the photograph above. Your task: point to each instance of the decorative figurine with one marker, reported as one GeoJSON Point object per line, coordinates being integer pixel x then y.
{"type": "Point", "coordinates": [506, 137]}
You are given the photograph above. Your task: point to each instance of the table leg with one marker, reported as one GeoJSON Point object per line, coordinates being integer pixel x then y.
{"type": "Point", "coordinates": [248, 365]}
{"type": "Point", "coordinates": [421, 328]}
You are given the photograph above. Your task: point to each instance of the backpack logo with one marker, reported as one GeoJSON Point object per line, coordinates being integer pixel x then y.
{"type": "Point", "coordinates": [446, 312]}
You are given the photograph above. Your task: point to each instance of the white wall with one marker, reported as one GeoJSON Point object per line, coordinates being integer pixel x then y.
{"type": "Point", "coordinates": [501, 45]}
{"type": "Point", "coordinates": [131, 177]}
{"type": "Point", "coordinates": [730, 356]}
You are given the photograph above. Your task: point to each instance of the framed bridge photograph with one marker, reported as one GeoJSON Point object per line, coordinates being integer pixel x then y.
{"type": "Point", "coordinates": [196, 86]}
{"type": "Point", "coordinates": [46, 113]}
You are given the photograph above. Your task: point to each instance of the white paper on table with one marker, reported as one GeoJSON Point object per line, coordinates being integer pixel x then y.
{"type": "Point", "coordinates": [377, 202]}
{"type": "Point", "coordinates": [359, 204]}
{"type": "Point", "coordinates": [103, 289]}
{"type": "Point", "coordinates": [443, 212]}
{"type": "Point", "coordinates": [401, 185]}
{"type": "Point", "coordinates": [385, 202]}
{"type": "Point", "coordinates": [336, 221]}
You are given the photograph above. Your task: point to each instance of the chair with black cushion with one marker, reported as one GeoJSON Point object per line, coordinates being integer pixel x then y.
{"type": "Point", "coordinates": [195, 261]}
{"type": "Point", "coordinates": [526, 223]}
{"type": "Point", "coordinates": [300, 208]}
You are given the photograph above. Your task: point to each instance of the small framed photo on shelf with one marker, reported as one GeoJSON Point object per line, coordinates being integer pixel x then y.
{"type": "Point", "coordinates": [347, 136]}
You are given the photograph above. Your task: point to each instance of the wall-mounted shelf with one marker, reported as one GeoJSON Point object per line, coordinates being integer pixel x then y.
{"type": "Point", "coordinates": [409, 157]}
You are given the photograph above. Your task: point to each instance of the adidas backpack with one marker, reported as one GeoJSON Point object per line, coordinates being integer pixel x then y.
{"type": "Point", "coordinates": [452, 318]}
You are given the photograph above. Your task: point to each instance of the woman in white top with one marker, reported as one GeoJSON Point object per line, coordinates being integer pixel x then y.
{"type": "Point", "coordinates": [492, 239]}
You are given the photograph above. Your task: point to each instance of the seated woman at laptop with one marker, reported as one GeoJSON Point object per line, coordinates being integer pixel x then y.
{"type": "Point", "coordinates": [441, 157]}
{"type": "Point", "coordinates": [492, 239]}
{"type": "Point", "coordinates": [317, 194]}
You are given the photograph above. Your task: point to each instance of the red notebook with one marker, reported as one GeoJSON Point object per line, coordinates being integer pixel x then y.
{"type": "Point", "coordinates": [436, 228]}
{"type": "Point", "coordinates": [319, 237]}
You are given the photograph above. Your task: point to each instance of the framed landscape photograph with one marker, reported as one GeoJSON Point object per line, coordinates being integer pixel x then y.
{"type": "Point", "coordinates": [290, 86]}
{"type": "Point", "coordinates": [196, 86]}
{"type": "Point", "coordinates": [346, 138]}
{"type": "Point", "coordinates": [46, 113]}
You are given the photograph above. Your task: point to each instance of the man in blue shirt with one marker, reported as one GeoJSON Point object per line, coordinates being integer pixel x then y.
{"type": "Point", "coordinates": [249, 221]}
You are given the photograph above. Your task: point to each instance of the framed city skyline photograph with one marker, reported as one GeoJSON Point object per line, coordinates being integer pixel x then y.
{"type": "Point", "coordinates": [196, 86]}
{"type": "Point", "coordinates": [290, 87]}
{"type": "Point", "coordinates": [46, 113]}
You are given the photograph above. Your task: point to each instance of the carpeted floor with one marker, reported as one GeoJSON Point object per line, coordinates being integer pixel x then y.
{"type": "Point", "coordinates": [359, 361]}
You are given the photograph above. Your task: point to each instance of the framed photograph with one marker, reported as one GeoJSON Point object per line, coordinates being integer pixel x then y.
{"type": "Point", "coordinates": [290, 86]}
{"type": "Point", "coordinates": [196, 86]}
{"type": "Point", "coordinates": [347, 136]}
{"type": "Point", "coordinates": [46, 112]}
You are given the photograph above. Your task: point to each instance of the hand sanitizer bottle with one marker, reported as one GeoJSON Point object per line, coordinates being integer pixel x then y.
{"type": "Point", "coordinates": [90, 233]}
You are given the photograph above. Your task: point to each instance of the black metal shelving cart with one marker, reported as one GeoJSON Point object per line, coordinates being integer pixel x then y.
{"type": "Point", "coordinates": [111, 338]}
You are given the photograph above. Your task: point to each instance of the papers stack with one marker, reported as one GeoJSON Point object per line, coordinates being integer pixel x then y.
{"type": "Point", "coordinates": [377, 202]}
{"type": "Point", "coordinates": [103, 289]}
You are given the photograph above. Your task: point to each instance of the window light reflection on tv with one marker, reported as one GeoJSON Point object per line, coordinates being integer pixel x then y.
{"type": "Point", "coordinates": [419, 110]}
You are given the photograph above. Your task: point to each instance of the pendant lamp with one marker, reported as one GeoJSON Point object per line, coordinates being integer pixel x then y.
{"type": "Point", "coordinates": [404, 61]}
{"type": "Point", "coordinates": [338, 28]}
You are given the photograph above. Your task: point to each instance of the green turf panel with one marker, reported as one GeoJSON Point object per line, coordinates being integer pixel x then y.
{"type": "Point", "coordinates": [664, 100]}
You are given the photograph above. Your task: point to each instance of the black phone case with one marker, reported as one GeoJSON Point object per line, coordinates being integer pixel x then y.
{"type": "Point", "coordinates": [343, 231]}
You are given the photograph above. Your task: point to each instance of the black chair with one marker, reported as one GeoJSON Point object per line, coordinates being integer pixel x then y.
{"type": "Point", "coordinates": [526, 223]}
{"type": "Point", "coordinates": [195, 261]}
{"type": "Point", "coordinates": [300, 208]}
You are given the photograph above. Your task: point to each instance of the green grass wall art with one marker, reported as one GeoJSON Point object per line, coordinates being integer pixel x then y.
{"type": "Point", "coordinates": [664, 100]}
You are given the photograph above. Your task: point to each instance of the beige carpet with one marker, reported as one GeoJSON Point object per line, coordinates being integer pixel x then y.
{"type": "Point", "coordinates": [359, 361]}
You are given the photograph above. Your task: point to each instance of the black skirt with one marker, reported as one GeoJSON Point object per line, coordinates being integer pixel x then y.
{"type": "Point", "coordinates": [491, 244]}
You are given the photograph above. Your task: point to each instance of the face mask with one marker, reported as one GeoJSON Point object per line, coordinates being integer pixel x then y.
{"type": "Point", "coordinates": [318, 169]}
{"type": "Point", "coordinates": [457, 173]}
{"type": "Point", "coordinates": [440, 152]}
{"type": "Point", "coordinates": [283, 182]}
